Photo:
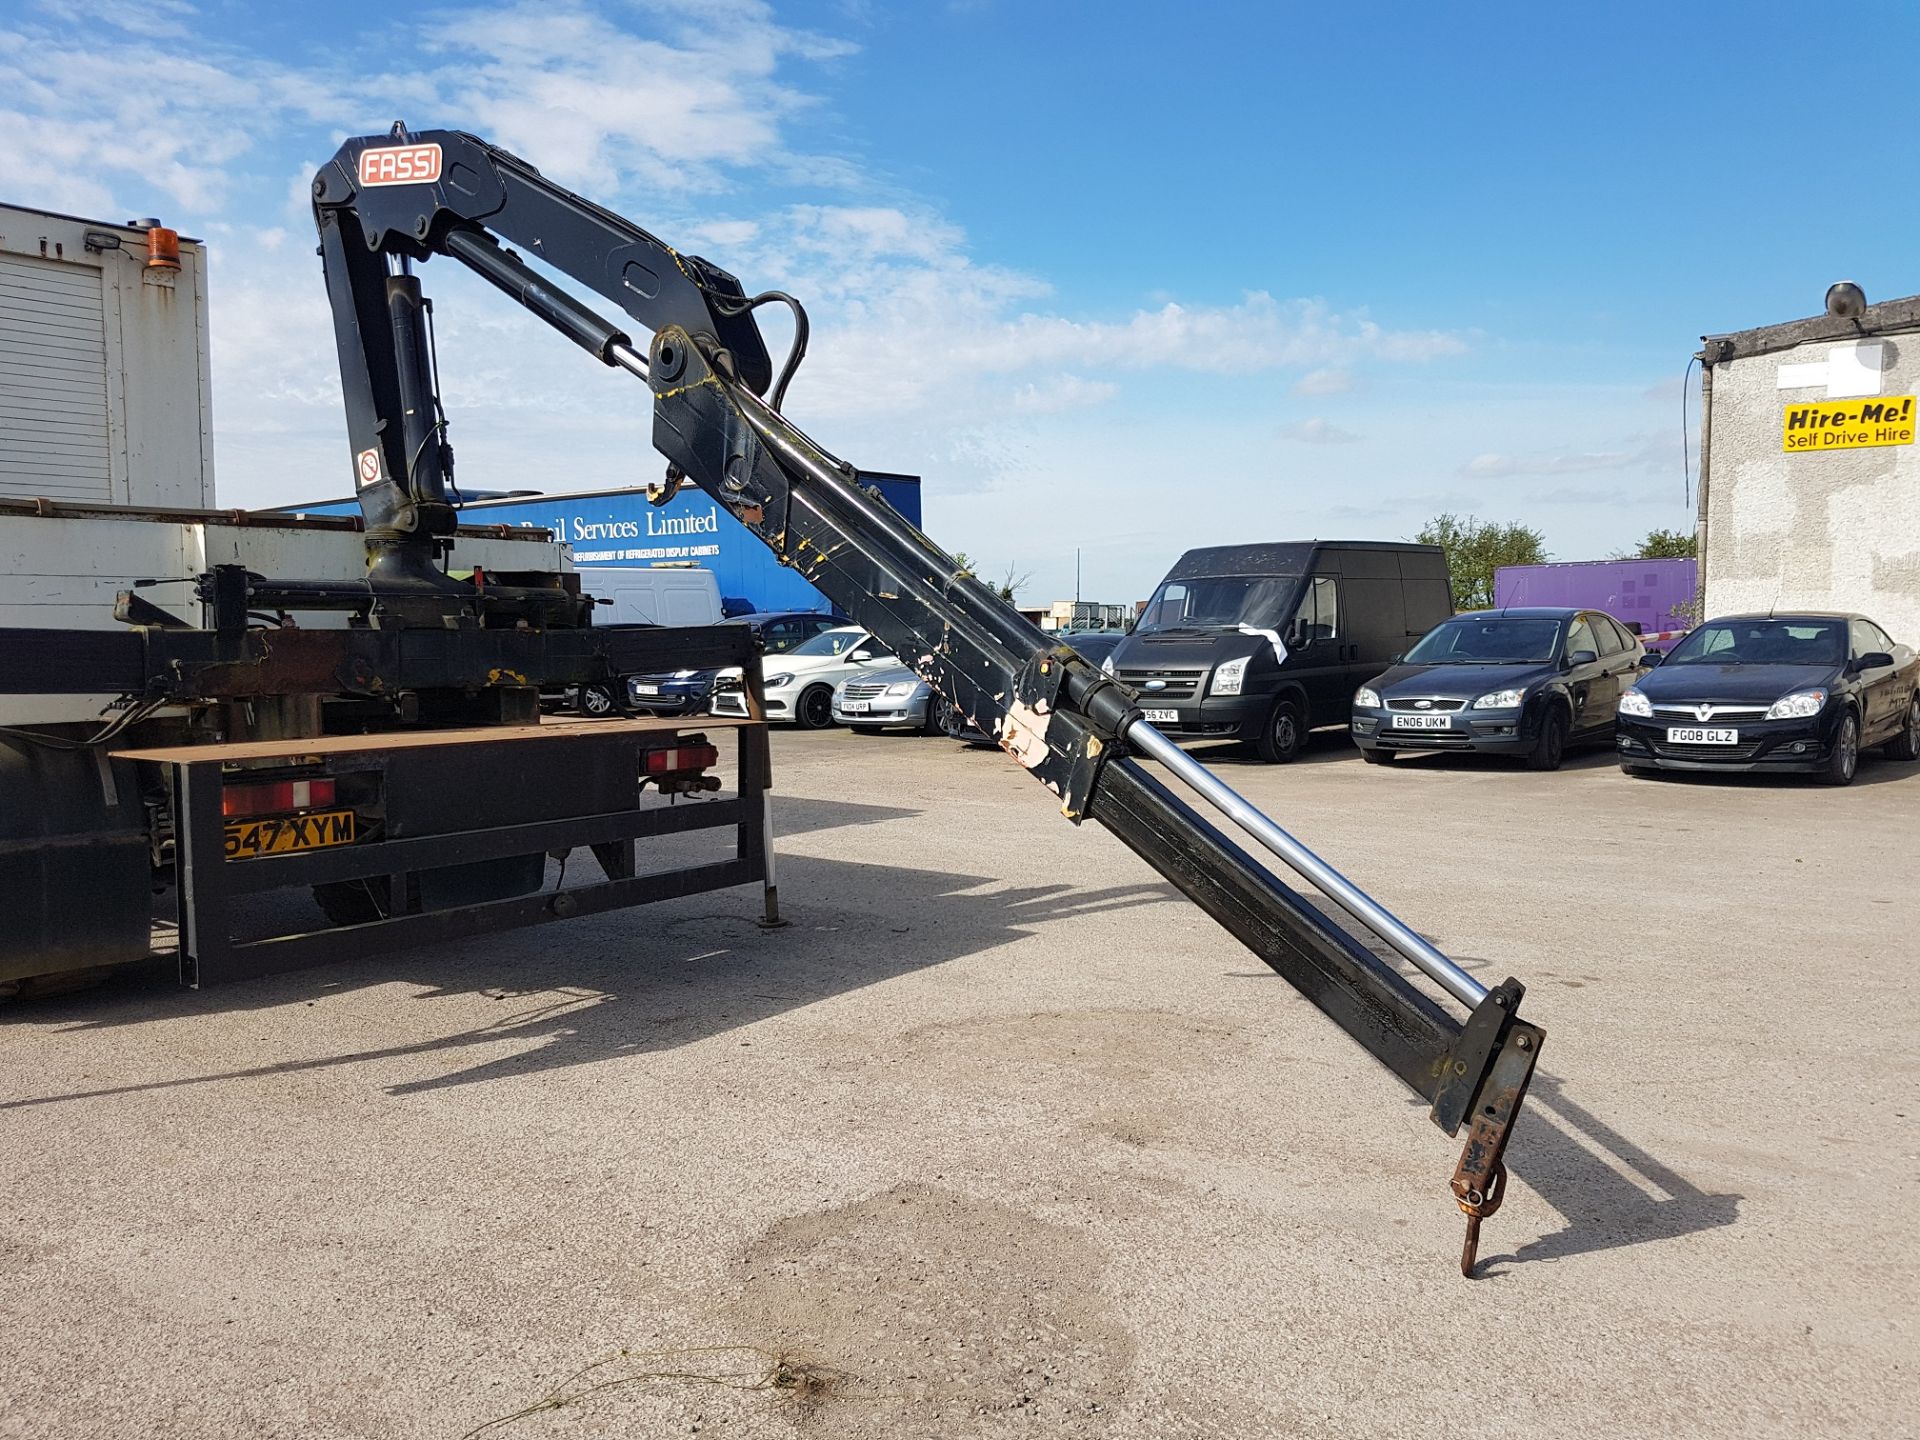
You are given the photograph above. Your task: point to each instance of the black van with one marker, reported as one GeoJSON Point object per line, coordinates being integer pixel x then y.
{"type": "Point", "coordinates": [1262, 643]}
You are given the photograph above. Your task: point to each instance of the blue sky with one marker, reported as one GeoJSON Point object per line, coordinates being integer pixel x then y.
{"type": "Point", "coordinates": [1111, 275]}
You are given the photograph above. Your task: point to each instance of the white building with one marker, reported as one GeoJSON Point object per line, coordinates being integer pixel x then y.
{"type": "Point", "coordinates": [1809, 475]}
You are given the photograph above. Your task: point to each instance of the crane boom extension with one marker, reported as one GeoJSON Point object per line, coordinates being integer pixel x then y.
{"type": "Point", "coordinates": [384, 202]}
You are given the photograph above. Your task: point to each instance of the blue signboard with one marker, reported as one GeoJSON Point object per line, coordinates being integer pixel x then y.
{"type": "Point", "coordinates": [619, 527]}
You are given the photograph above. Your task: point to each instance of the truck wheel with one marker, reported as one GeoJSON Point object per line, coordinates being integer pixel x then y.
{"type": "Point", "coordinates": [1551, 748]}
{"type": "Point", "coordinates": [361, 902]}
{"type": "Point", "coordinates": [814, 709]}
{"type": "Point", "coordinates": [1906, 745]}
{"type": "Point", "coordinates": [353, 902]}
{"type": "Point", "coordinates": [1283, 735]}
{"type": "Point", "coordinates": [1845, 759]}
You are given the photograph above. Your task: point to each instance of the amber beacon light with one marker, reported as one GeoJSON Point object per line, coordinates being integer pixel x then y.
{"type": "Point", "coordinates": [163, 247]}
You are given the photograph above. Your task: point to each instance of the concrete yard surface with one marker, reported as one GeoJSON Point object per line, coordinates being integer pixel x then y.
{"type": "Point", "coordinates": [1002, 1137]}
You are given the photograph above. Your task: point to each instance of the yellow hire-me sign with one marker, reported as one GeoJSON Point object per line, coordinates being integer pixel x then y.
{"type": "Point", "coordinates": [1848, 424]}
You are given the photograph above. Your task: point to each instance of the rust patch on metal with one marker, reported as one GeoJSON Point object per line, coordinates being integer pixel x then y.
{"type": "Point", "coordinates": [1480, 1179]}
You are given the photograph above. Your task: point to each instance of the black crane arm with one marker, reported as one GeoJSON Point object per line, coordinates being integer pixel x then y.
{"type": "Point", "coordinates": [385, 202]}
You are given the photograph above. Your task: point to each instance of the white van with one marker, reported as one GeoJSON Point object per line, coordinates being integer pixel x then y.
{"type": "Point", "coordinates": [666, 595]}
{"type": "Point", "coordinates": [680, 596]}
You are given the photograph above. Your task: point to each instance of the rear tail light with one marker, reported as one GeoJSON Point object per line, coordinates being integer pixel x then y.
{"type": "Point", "coordinates": [275, 797]}
{"type": "Point", "coordinates": [681, 759]}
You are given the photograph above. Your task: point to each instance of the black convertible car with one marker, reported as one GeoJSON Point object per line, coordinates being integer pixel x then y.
{"type": "Point", "coordinates": [1801, 692]}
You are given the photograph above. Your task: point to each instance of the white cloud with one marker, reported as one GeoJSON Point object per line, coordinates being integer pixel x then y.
{"type": "Point", "coordinates": [1061, 392]}
{"type": "Point", "coordinates": [1324, 382]}
{"type": "Point", "coordinates": [1494, 465]}
{"type": "Point", "coordinates": [1259, 333]}
{"type": "Point", "coordinates": [725, 234]}
{"type": "Point", "coordinates": [1317, 431]}
{"type": "Point", "coordinates": [597, 103]}
{"type": "Point", "coordinates": [155, 19]}
{"type": "Point", "coordinates": [88, 118]}
{"type": "Point", "coordinates": [923, 357]}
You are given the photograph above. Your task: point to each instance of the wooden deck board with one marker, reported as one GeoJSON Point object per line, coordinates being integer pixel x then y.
{"type": "Point", "coordinates": [558, 727]}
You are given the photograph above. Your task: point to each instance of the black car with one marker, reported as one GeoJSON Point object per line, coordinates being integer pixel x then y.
{"type": "Point", "coordinates": [1802, 692]}
{"type": "Point", "coordinates": [1525, 682]}
{"type": "Point", "coordinates": [690, 692]}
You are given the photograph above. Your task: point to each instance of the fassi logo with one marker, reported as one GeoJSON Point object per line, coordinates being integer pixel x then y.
{"type": "Point", "coordinates": [400, 165]}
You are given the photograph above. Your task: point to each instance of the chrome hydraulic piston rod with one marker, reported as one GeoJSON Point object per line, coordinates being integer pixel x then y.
{"type": "Point", "coordinates": [1349, 896]}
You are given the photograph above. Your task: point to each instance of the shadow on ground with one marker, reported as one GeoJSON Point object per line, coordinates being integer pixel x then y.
{"type": "Point", "coordinates": [639, 980]}
{"type": "Point", "coordinates": [1588, 757]}
{"type": "Point", "coordinates": [1873, 770]}
{"type": "Point", "coordinates": [1609, 1190]}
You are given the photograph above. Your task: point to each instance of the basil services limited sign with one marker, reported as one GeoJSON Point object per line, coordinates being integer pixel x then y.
{"type": "Point", "coordinates": [670, 536]}
{"type": "Point", "coordinates": [1861, 424]}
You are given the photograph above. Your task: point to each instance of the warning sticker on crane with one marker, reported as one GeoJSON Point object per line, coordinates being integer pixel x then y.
{"type": "Point", "coordinates": [400, 165]}
{"type": "Point", "coordinates": [366, 467]}
{"type": "Point", "coordinates": [1848, 424]}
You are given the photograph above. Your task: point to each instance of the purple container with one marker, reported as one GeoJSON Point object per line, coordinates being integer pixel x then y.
{"type": "Point", "coordinates": [1650, 595]}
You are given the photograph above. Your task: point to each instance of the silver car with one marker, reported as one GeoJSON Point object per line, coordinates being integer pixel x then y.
{"type": "Point", "coordinates": [883, 699]}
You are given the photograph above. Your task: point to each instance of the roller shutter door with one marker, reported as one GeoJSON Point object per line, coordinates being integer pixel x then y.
{"type": "Point", "coordinates": [53, 381]}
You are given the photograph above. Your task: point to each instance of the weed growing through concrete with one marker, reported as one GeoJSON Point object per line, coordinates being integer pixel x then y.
{"type": "Point", "coordinates": [799, 1380]}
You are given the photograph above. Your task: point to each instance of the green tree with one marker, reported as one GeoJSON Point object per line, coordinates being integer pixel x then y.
{"type": "Point", "coordinates": [1664, 545]}
{"type": "Point", "coordinates": [1476, 548]}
